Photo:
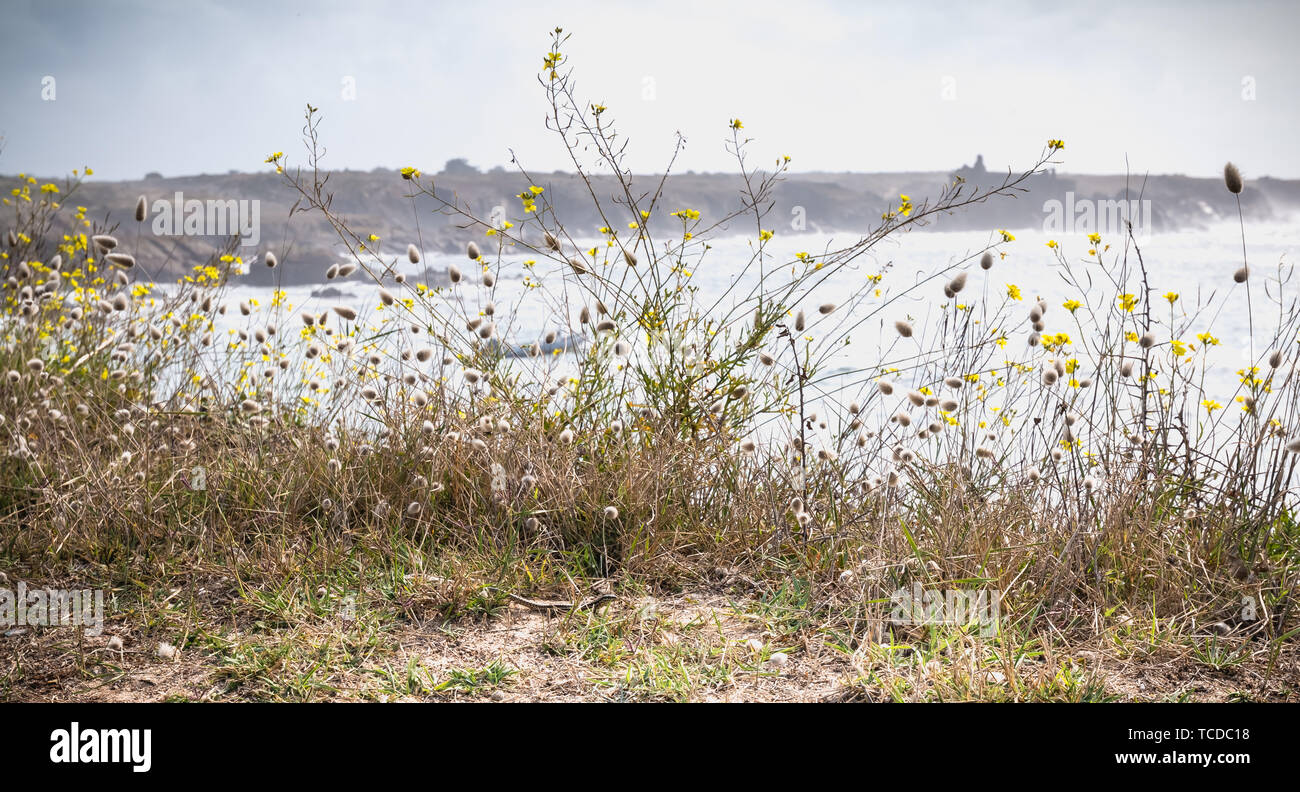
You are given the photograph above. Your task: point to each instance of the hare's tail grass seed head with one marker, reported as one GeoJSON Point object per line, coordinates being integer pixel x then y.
{"type": "Point", "coordinates": [1232, 179]}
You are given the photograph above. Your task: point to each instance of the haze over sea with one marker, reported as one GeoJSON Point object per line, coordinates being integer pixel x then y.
{"type": "Point", "coordinates": [1196, 264]}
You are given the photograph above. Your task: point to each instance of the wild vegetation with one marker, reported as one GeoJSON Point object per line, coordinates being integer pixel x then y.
{"type": "Point", "coordinates": [279, 491]}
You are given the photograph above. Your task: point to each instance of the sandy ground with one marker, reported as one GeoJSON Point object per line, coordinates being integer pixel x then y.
{"type": "Point", "coordinates": [694, 647]}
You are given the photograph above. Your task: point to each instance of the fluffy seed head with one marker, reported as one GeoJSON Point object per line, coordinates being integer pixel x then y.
{"type": "Point", "coordinates": [1232, 179]}
{"type": "Point", "coordinates": [347, 313]}
{"type": "Point", "coordinates": [270, 260]}
{"type": "Point", "coordinates": [1241, 274]}
{"type": "Point", "coordinates": [413, 254]}
{"type": "Point", "coordinates": [904, 328]}
{"type": "Point", "coordinates": [986, 261]}
{"type": "Point", "coordinates": [611, 513]}
{"type": "Point", "coordinates": [141, 205]}
{"type": "Point", "coordinates": [472, 251]}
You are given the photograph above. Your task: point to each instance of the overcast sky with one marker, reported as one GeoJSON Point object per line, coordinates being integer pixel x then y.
{"type": "Point", "coordinates": [210, 86]}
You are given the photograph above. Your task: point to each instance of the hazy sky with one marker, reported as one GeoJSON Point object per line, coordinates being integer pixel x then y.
{"type": "Point", "coordinates": [209, 86]}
